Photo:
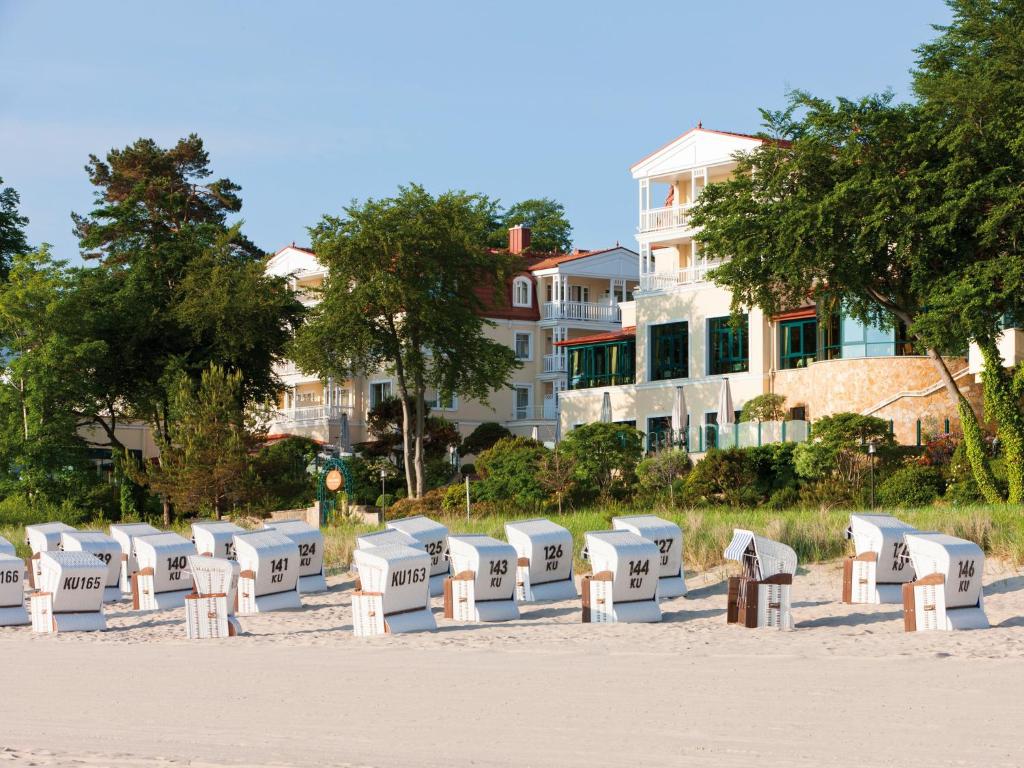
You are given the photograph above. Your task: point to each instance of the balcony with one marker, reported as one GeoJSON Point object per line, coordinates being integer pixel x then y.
{"type": "Point", "coordinates": [663, 219]}
{"type": "Point", "coordinates": [587, 311]}
{"type": "Point", "coordinates": [554, 364]}
{"type": "Point", "coordinates": [663, 281]}
{"type": "Point", "coordinates": [547, 411]}
{"type": "Point", "coordinates": [313, 414]}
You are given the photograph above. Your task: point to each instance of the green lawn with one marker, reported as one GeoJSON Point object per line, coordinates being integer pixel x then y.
{"type": "Point", "coordinates": [815, 535]}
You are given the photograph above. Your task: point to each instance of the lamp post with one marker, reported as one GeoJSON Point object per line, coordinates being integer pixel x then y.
{"type": "Point", "coordinates": [871, 454]}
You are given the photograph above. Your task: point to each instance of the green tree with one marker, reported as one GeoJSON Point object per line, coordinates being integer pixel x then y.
{"type": "Point", "coordinates": [550, 230]}
{"type": "Point", "coordinates": [510, 469]}
{"type": "Point", "coordinates": [384, 424]}
{"type": "Point", "coordinates": [844, 205]}
{"type": "Point", "coordinates": [483, 437]}
{"type": "Point", "coordinates": [12, 228]}
{"type": "Point", "coordinates": [174, 289]}
{"type": "Point", "coordinates": [838, 447]}
{"type": "Point", "coordinates": [39, 441]}
{"type": "Point", "coordinates": [206, 467]}
{"type": "Point", "coordinates": [402, 295]}
{"type": "Point", "coordinates": [968, 81]}
{"type": "Point", "coordinates": [766, 407]}
{"type": "Point", "coordinates": [605, 455]}
{"type": "Point", "coordinates": [557, 475]}
{"type": "Point", "coordinates": [663, 469]}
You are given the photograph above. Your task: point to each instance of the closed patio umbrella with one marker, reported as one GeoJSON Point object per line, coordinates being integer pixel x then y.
{"type": "Point", "coordinates": [679, 411]}
{"type": "Point", "coordinates": [606, 408]}
{"type": "Point", "coordinates": [726, 413]}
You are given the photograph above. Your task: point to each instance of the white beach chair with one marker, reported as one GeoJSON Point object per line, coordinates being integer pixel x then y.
{"type": "Point", "coordinates": [544, 569]}
{"type": "Point", "coordinates": [482, 586]}
{"type": "Point", "coordinates": [623, 584]}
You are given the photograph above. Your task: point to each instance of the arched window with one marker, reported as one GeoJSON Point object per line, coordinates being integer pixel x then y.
{"type": "Point", "coordinates": [521, 292]}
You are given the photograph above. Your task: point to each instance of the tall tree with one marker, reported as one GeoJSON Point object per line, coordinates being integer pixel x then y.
{"type": "Point", "coordinates": [402, 294]}
{"type": "Point", "coordinates": [206, 467]}
{"type": "Point", "coordinates": [968, 81]}
{"type": "Point", "coordinates": [12, 228]}
{"type": "Point", "coordinates": [550, 230]}
{"type": "Point", "coordinates": [841, 211]}
{"type": "Point", "coordinates": [175, 287]}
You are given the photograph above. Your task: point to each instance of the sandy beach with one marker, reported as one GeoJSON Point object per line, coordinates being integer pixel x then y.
{"type": "Point", "coordinates": [847, 687]}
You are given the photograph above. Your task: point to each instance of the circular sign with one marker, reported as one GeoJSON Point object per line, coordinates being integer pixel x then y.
{"type": "Point", "coordinates": [334, 481]}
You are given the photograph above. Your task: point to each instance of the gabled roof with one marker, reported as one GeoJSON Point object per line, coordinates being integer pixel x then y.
{"type": "Point", "coordinates": [666, 149]}
{"type": "Point", "coordinates": [555, 259]}
{"type": "Point", "coordinates": [626, 333]}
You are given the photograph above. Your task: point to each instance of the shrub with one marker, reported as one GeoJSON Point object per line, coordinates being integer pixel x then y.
{"type": "Point", "coordinates": [468, 469]}
{"type": "Point", "coordinates": [384, 501]}
{"type": "Point", "coordinates": [605, 455]}
{"type": "Point", "coordinates": [664, 470]}
{"type": "Point", "coordinates": [483, 437]}
{"type": "Point", "coordinates": [454, 499]}
{"type": "Point", "coordinates": [766, 407]}
{"type": "Point", "coordinates": [838, 448]}
{"type": "Point", "coordinates": [509, 470]}
{"type": "Point", "coordinates": [911, 486]}
{"type": "Point", "coordinates": [17, 509]}
{"type": "Point", "coordinates": [723, 476]}
{"type": "Point", "coordinates": [282, 476]}
{"type": "Point", "coordinates": [774, 467]}
{"type": "Point", "coordinates": [428, 504]}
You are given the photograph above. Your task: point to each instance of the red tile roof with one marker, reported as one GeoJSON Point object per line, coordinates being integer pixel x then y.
{"type": "Point", "coordinates": [626, 333]}
{"type": "Point", "coordinates": [780, 142]}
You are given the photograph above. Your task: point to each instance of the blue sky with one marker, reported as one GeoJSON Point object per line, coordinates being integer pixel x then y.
{"type": "Point", "coordinates": [308, 105]}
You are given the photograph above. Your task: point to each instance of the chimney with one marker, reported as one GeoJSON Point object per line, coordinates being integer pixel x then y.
{"type": "Point", "coordinates": [518, 238]}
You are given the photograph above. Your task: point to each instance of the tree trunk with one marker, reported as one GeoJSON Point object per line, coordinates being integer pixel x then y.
{"type": "Point", "coordinates": [972, 431]}
{"type": "Point", "coordinates": [1003, 406]}
{"type": "Point", "coordinates": [167, 510]}
{"type": "Point", "coordinates": [410, 486]}
{"type": "Point", "coordinates": [418, 437]}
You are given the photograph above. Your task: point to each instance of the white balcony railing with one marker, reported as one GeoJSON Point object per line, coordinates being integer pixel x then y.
{"type": "Point", "coordinates": [554, 363]}
{"type": "Point", "coordinates": [534, 412]}
{"type": "Point", "coordinates": [658, 219]}
{"type": "Point", "coordinates": [313, 414]}
{"type": "Point", "coordinates": [582, 310]}
{"type": "Point", "coordinates": [663, 281]}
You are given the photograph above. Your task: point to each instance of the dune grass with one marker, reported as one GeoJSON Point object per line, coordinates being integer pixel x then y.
{"type": "Point", "coordinates": [816, 536]}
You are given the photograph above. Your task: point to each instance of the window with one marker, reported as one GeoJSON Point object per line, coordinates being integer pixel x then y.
{"type": "Point", "coordinates": [524, 345]}
{"type": "Point", "coordinates": [600, 365]}
{"type": "Point", "coordinates": [728, 346]}
{"type": "Point", "coordinates": [798, 413]}
{"type": "Point", "coordinates": [579, 293]}
{"type": "Point", "coordinates": [670, 350]}
{"type": "Point", "coordinates": [710, 430]}
{"type": "Point", "coordinates": [521, 292]}
{"type": "Point", "coordinates": [659, 432]}
{"type": "Point", "coordinates": [845, 337]}
{"type": "Point", "coordinates": [798, 343]}
{"type": "Point", "coordinates": [379, 391]}
{"type": "Point", "coordinates": [435, 402]}
{"type": "Point", "coordinates": [523, 396]}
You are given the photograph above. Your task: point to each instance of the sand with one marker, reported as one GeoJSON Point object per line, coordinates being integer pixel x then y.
{"type": "Point", "coordinates": [847, 687]}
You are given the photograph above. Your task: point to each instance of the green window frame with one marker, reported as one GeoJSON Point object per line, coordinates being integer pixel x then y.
{"type": "Point", "coordinates": [729, 350]}
{"type": "Point", "coordinates": [670, 351]}
{"type": "Point", "coordinates": [602, 365]}
{"type": "Point", "coordinates": [798, 343]}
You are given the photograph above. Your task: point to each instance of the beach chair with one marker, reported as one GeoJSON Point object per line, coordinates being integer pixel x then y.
{"type": "Point", "coordinates": [482, 586]}
{"type": "Point", "coordinates": [125, 534]}
{"type": "Point", "coordinates": [623, 584]}
{"type": "Point", "coordinates": [544, 554]}
{"type": "Point", "coordinates": [311, 552]}
{"type": "Point", "coordinates": [104, 548]}
{"type": "Point", "coordinates": [395, 591]}
{"type": "Point", "coordinates": [215, 538]}
{"type": "Point", "coordinates": [69, 593]}
{"type": "Point", "coordinates": [210, 608]}
{"type": "Point", "coordinates": [434, 538]}
{"type": "Point", "coordinates": [947, 592]}
{"type": "Point", "coordinates": [878, 570]}
{"type": "Point", "coordinates": [269, 578]}
{"type": "Point", "coordinates": [668, 538]}
{"type": "Point", "coordinates": [42, 537]}
{"type": "Point", "coordinates": [761, 596]}
{"type": "Point", "coordinates": [162, 581]}
{"type": "Point", "coordinates": [12, 590]}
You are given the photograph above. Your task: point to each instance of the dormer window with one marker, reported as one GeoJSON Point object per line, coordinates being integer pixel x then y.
{"type": "Point", "coordinates": [521, 292]}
